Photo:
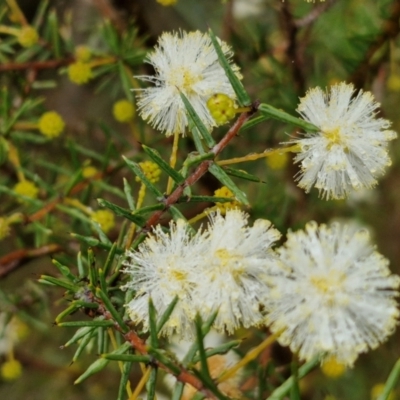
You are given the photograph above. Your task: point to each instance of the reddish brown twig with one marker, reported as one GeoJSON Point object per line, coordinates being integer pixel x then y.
{"type": "Point", "coordinates": [202, 168]}
{"type": "Point", "coordinates": [314, 14]}
{"type": "Point", "coordinates": [292, 52]}
{"type": "Point", "coordinates": [390, 30]}
{"type": "Point", "coordinates": [140, 346]}
{"type": "Point", "coordinates": [15, 259]}
{"type": "Point", "coordinates": [36, 65]}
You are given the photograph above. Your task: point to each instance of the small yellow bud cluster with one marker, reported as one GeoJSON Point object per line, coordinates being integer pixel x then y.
{"type": "Point", "coordinates": [26, 188]}
{"type": "Point", "coordinates": [123, 111]}
{"type": "Point", "coordinates": [4, 228]}
{"type": "Point", "coordinates": [332, 368]}
{"type": "Point", "coordinates": [105, 218]}
{"type": "Point", "coordinates": [277, 160]}
{"type": "Point", "coordinates": [393, 83]}
{"type": "Point", "coordinates": [377, 390]}
{"type": "Point", "coordinates": [28, 36]}
{"type": "Point", "coordinates": [51, 124]}
{"type": "Point", "coordinates": [83, 53]}
{"type": "Point", "coordinates": [151, 170]}
{"type": "Point", "coordinates": [225, 192]}
{"type": "Point", "coordinates": [89, 171]}
{"type": "Point", "coordinates": [222, 108]}
{"type": "Point", "coordinates": [167, 2]}
{"type": "Point", "coordinates": [80, 72]}
{"type": "Point", "coordinates": [11, 370]}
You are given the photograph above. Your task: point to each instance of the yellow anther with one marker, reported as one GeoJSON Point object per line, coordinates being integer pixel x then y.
{"type": "Point", "coordinates": [222, 108]}
{"type": "Point", "coordinates": [80, 72]}
{"type": "Point", "coordinates": [123, 111]}
{"type": "Point", "coordinates": [151, 170]}
{"type": "Point", "coordinates": [51, 124]}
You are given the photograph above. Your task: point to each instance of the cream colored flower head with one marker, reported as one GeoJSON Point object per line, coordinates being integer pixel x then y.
{"type": "Point", "coordinates": [165, 266]}
{"type": "Point", "coordinates": [351, 149]}
{"type": "Point", "coordinates": [236, 263]}
{"type": "Point", "coordinates": [333, 295]}
{"type": "Point", "coordinates": [187, 63]}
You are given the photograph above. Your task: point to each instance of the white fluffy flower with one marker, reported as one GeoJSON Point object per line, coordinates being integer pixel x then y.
{"type": "Point", "coordinates": [183, 62]}
{"type": "Point", "coordinates": [350, 151]}
{"type": "Point", "coordinates": [332, 295]}
{"type": "Point", "coordinates": [164, 267]}
{"type": "Point", "coordinates": [234, 270]}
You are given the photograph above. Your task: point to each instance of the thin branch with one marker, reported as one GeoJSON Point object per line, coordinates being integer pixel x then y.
{"type": "Point", "coordinates": [36, 65]}
{"type": "Point", "coordinates": [15, 259]}
{"type": "Point", "coordinates": [202, 168]}
{"type": "Point", "coordinates": [292, 52]}
{"type": "Point", "coordinates": [390, 30]}
{"type": "Point", "coordinates": [140, 346]}
{"type": "Point", "coordinates": [314, 14]}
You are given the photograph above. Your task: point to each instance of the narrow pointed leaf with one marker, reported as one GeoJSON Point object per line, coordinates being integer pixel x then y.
{"type": "Point", "coordinates": [80, 324]}
{"type": "Point", "coordinates": [239, 173]}
{"type": "Point", "coordinates": [223, 177]}
{"type": "Point", "coordinates": [101, 363]}
{"type": "Point", "coordinates": [206, 135]}
{"type": "Point", "coordinates": [167, 314]}
{"type": "Point", "coordinates": [126, 369]}
{"type": "Point", "coordinates": [123, 212]}
{"type": "Point", "coordinates": [153, 324]}
{"type": "Point", "coordinates": [126, 357]}
{"type": "Point", "coordinates": [283, 116]}
{"type": "Point", "coordinates": [284, 389]}
{"type": "Point", "coordinates": [135, 167]}
{"type": "Point", "coordinates": [156, 157]}
{"type": "Point", "coordinates": [242, 96]}
{"type": "Point", "coordinates": [110, 307]}
{"type": "Point", "coordinates": [151, 384]}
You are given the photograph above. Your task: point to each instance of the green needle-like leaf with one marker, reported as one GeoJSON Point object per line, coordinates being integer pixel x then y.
{"type": "Point", "coordinates": [283, 116]}
{"type": "Point", "coordinates": [196, 120]}
{"type": "Point", "coordinates": [123, 212]}
{"type": "Point", "coordinates": [156, 157]}
{"type": "Point", "coordinates": [223, 177]}
{"type": "Point", "coordinates": [242, 96]}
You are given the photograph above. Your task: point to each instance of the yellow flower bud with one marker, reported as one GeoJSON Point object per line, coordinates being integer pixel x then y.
{"type": "Point", "coordinates": [28, 36]}
{"type": "Point", "coordinates": [105, 218]}
{"type": "Point", "coordinates": [11, 370]}
{"type": "Point", "coordinates": [225, 192]}
{"type": "Point", "coordinates": [80, 72]}
{"type": "Point", "coordinates": [222, 108]}
{"type": "Point", "coordinates": [277, 160]}
{"type": "Point", "coordinates": [151, 170]}
{"type": "Point", "coordinates": [377, 390]}
{"type": "Point", "coordinates": [26, 188]}
{"type": "Point", "coordinates": [83, 53]}
{"type": "Point", "coordinates": [89, 171]}
{"type": "Point", "coordinates": [393, 83]}
{"type": "Point", "coordinates": [167, 2]}
{"type": "Point", "coordinates": [332, 368]}
{"type": "Point", "coordinates": [123, 111]}
{"type": "Point", "coordinates": [51, 124]}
